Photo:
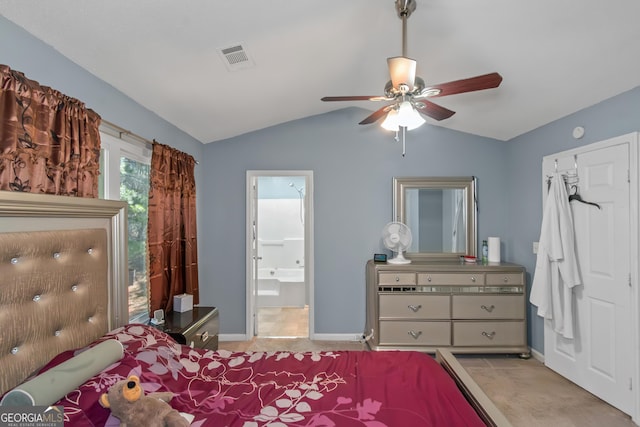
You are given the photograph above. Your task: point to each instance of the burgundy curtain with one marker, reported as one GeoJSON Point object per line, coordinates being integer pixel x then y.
{"type": "Point", "coordinates": [172, 240]}
{"type": "Point", "coordinates": [49, 142]}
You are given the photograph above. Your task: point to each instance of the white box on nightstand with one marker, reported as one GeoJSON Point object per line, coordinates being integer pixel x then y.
{"type": "Point", "coordinates": [182, 303]}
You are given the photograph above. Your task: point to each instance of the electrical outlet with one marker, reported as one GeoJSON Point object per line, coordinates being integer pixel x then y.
{"type": "Point", "coordinates": [535, 247]}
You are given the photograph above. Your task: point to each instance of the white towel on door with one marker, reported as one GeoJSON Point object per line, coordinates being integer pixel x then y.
{"type": "Point", "coordinates": [556, 272]}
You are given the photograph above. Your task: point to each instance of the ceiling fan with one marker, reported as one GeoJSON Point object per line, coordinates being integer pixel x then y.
{"type": "Point", "coordinates": [408, 93]}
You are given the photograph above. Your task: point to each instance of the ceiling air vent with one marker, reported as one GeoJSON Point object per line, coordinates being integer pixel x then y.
{"type": "Point", "coordinates": [235, 57]}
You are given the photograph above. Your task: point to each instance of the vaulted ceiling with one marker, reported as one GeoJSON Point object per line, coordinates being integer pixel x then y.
{"type": "Point", "coordinates": [555, 57]}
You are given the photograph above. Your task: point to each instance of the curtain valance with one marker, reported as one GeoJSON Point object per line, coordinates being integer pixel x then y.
{"type": "Point", "coordinates": [49, 142]}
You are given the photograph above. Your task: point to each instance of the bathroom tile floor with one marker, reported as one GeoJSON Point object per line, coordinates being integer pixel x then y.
{"type": "Point", "coordinates": [527, 392]}
{"type": "Point", "coordinates": [291, 322]}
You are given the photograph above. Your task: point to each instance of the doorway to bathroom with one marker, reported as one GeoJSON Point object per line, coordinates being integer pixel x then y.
{"type": "Point", "coordinates": [279, 254]}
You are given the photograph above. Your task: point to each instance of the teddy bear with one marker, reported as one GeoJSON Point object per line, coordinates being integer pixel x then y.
{"type": "Point", "coordinates": [127, 402]}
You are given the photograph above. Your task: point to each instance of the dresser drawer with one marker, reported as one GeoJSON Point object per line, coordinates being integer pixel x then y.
{"type": "Point", "coordinates": [415, 306]}
{"type": "Point", "coordinates": [488, 307]}
{"type": "Point", "coordinates": [503, 279]}
{"type": "Point", "coordinates": [489, 333]}
{"type": "Point", "coordinates": [415, 333]}
{"type": "Point", "coordinates": [394, 279]}
{"type": "Point", "coordinates": [450, 279]}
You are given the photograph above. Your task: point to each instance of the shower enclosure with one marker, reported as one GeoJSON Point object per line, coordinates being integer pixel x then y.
{"type": "Point", "coordinates": [281, 242]}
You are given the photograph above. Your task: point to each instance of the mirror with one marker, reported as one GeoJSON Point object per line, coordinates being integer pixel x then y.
{"type": "Point", "coordinates": [441, 213]}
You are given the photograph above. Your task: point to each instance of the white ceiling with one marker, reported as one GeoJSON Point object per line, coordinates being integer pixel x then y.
{"type": "Point", "coordinates": [556, 57]}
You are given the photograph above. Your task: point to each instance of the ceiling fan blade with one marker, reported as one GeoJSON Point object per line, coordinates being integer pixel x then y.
{"type": "Point", "coordinates": [354, 98]}
{"type": "Point", "coordinates": [375, 116]}
{"type": "Point", "coordinates": [486, 81]}
{"type": "Point", "coordinates": [402, 71]}
{"type": "Point", "coordinates": [432, 110]}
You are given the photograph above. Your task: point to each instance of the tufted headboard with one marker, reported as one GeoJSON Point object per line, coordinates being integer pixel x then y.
{"type": "Point", "coordinates": [62, 277]}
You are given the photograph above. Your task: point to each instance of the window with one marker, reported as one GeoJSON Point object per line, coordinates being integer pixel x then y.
{"type": "Point", "coordinates": [124, 175]}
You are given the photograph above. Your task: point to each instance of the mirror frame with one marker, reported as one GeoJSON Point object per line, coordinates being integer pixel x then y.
{"type": "Point", "coordinates": [467, 183]}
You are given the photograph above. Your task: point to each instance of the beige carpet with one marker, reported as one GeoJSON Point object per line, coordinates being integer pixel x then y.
{"type": "Point", "coordinates": [528, 393]}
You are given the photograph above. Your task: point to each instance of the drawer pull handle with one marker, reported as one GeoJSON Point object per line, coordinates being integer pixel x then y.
{"type": "Point", "coordinates": [203, 336]}
{"type": "Point", "coordinates": [397, 279]}
{"type": "Point", "coordinates": [428, 278]}
{"type": "Point", "coordinates": [473, 279]}
{"type": "Point", "coordinates": [489, 335]}
{"type": "Point", "coordinates": [415, 334]}
{"type": "Point", "coordinates": [488, 309]}
{"type": "Point", "coordinates": [506, 279]}
{"type": "Point", "coordinates": [415, 308]}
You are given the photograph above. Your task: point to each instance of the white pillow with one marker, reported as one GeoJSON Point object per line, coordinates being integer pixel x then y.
{"type": "Point", "coordinates": [50, 386]}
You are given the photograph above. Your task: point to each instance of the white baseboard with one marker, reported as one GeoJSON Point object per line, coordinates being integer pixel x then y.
{"type": "Point", "coordinates": [233, 337]}
{"type": "Point", "coordinates": [337, 337]}
{"type": "Point", "coordinates": [537, 355]}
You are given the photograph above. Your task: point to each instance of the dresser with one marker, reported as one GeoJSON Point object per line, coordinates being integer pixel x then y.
{"type": "Point", "coordinates": [196, 328]}
{"type": "Point", "coordinates": [467, 308]}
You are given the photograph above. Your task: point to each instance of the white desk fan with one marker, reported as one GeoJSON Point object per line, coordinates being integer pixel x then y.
{"type": "Point", "coordinates": [397, 237]}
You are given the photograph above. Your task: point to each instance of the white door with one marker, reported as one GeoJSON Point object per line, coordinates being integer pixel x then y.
{"type": "Point", "coordinates": [601, 357]}
{"type": "Point", "coordinates": [253, 256]}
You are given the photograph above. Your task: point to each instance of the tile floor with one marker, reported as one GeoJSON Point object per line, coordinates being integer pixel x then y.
{"type": "Point", "coordinates": [290, 322]}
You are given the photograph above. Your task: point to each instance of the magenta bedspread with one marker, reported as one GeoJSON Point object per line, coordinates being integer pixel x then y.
{"type": "Point", "coordinates": [222, 388]}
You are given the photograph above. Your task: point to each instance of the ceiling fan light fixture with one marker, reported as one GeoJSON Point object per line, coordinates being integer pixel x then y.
{"type": "Point", "coordinates": [403, 115]}
{"type": "Point", "coordinates": [402, 71]}
{"type": "Point", "coordinates": [408, 117]}
{"type": "Point", "coordinates": [391, 121]}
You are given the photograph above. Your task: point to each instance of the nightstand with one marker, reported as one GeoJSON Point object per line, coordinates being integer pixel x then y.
{"type": "Point", "coordinates": [196, 328]}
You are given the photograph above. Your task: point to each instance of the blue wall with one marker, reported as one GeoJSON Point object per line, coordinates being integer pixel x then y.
{"type": "Point", "coordinates": [610, 118]}
{"type": "Point", "coordinates": [278, 187]}
{"type": "Point", "coordinates": [353, 169]}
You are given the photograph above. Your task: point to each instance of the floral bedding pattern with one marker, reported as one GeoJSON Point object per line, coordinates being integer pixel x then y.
{"type": "Point", "coordinates": [314, 389]}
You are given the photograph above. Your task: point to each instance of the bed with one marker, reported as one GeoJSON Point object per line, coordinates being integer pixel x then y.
{"type": "Point", "coordinates": [66, 254]}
